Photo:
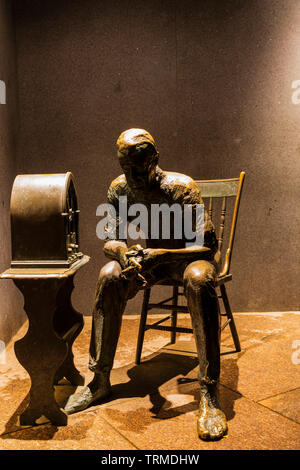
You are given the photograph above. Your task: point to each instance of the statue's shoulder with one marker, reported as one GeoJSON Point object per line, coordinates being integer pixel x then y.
{"type": "Point", "coordinates": [117, 187]}
{"type": "Point", "coordinates": [181, 187]}
{"type": "Point", "coordinates": [171, 177]}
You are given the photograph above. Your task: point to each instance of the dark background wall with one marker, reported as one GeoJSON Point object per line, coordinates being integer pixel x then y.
{"type": "Point", "coordinates": [11, 312]}
{"type": "Point", "coordinates": [210, 80]}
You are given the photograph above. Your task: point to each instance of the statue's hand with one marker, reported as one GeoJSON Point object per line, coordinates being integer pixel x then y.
{"type": "Point", "coordinates": [134, 256]}
{"type": "Point", "coordinates": [134, 251]}
{"type": "Point", "coordinates": [129, 255]}
{"type": "Point", "coordinates": [140, 261]}
{"type": "Point", "coordinates": [151, 258]}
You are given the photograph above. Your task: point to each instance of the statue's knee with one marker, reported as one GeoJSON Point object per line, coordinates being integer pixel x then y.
{"type": "Point", "coordinates": [199, 274]}
{"type": "Point", "coordinates": [110, 272]}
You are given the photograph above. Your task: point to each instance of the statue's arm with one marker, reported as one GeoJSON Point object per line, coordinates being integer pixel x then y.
{"type": "Point", "coordinates": [116, 248]}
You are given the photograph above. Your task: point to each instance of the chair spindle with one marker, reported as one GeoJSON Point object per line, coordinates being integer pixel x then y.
{"type": "Point", "coordinates": [222, 224]}
{"type": "Point", "coordinates": [210, 208]}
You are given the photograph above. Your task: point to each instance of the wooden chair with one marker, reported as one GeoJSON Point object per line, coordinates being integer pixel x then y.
{"type": "Point", "coordinates": [211, 190]}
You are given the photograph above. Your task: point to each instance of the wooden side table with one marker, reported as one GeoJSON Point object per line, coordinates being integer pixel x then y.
{"type": "Point", "coordinates": [46, 349]}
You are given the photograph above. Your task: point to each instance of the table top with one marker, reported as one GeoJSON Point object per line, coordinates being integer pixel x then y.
{"type": "Point", "coordinates": [44, 273]}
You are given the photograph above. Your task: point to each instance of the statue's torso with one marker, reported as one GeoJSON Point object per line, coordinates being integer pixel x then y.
{"type": "Point", "coordinates": [169, 188]}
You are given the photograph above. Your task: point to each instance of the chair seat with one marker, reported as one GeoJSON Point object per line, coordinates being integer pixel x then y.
{"type": "Point", "coordinates": [220, 280]}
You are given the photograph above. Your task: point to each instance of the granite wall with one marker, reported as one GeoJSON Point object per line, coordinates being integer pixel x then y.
{"type": "Point", "coordinates": [212, 81]}
{"type": "Point", "coordinates": [11, 306]}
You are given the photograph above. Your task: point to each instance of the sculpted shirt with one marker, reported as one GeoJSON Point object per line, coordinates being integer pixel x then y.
{"type": "Point", "coordinates": [168, 188]}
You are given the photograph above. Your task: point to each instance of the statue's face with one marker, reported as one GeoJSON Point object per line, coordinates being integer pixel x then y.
{"type": "Point", "coordinates": [138, 157]}
{"type": "Point", "coordinates": [138, 165]}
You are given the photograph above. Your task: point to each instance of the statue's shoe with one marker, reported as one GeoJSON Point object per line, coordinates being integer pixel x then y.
{"type": "Point", "coordinates": [211, 424]}
{"type": "Point", "coordinates": [81, 400]}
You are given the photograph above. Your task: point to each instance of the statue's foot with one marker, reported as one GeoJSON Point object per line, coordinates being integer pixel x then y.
{"type": "Point", "coordinates": [211, 423]}
{"type": "Point", "coordinates": [94, 391]}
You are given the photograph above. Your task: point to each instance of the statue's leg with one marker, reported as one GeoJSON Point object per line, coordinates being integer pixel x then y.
{"type": "Point", "coordinates": [110, 300]}
{"type": "Point", "coordinates": [203, 305]}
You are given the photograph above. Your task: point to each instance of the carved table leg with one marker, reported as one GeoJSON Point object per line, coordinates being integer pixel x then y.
{"type": "Point", "coordinates": [41, 351]}
{"type": "Point", "coordinates": [68, 324]}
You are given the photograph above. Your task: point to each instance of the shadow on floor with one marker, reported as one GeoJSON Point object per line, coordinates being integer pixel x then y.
{"type": "Point", "coordinates": [75, 431]}
{"type": "Point", "coordinates": [145, 379]}
{"type": "Point", "coordinates": [150, 375]}
{"type": "Point", "coordinates": [43, 429]}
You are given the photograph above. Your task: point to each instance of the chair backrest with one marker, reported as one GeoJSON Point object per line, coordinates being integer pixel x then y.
{"type": "Point", "coordinates": [224, 188]}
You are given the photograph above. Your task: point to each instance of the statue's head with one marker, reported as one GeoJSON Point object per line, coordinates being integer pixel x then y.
{"type": "Point", "coordinates": [138, 157]}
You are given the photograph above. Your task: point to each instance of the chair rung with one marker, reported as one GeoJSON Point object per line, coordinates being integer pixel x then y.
{"type": "Point", "coordinates": [162, 320]}
{"type": "Point", "coordinates": [166, 300]}
{"type": "Point", "coordinates": [178, 308]}
{"type": "Point", "coordinates": [225, 324]}
{"type": "Point", "coordinates": [168, 328]}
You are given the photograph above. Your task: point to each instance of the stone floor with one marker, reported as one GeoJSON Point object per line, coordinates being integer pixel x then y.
{"type": "Point", "coordinates": [154, 405]}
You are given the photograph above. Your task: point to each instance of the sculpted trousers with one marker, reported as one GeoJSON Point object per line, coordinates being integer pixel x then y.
{"type": "Point", "coordinates": [112, 293]}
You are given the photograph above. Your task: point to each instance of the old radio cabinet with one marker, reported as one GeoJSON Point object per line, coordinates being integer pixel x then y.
{"type": "Point", "coordinates": [44, 221]}
{"type": "Point", "coordinates": [45, 258]}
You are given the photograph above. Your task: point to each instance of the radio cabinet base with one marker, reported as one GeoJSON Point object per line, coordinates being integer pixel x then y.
{"type": "Point", "coordinates": [46, 349]}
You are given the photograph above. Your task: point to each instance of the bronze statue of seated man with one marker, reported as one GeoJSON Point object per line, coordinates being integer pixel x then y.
{"type": "Point", "coordinates": [143, 181]}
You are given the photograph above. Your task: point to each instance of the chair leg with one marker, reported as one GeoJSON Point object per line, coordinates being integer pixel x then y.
{"type": "Point", "coordinates": [143, 320]}
{"type": "Point", "coordinates": [233, 329]}
{"type": "Point", "coordinates": [174, 314]}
